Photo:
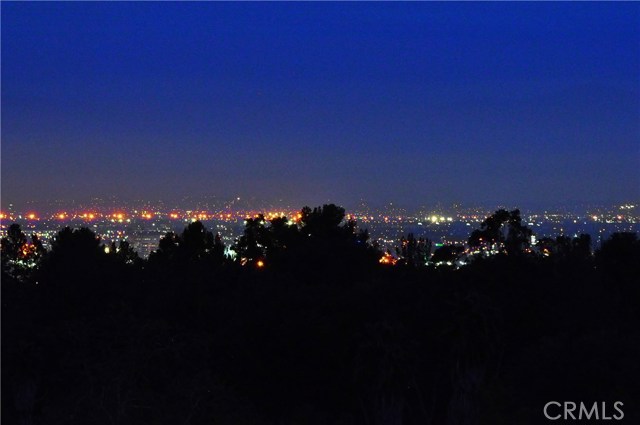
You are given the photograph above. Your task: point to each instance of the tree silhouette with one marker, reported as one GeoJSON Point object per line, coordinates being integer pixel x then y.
{"type": "Point", "coordinates": [167, 250]}
{"type": "Point", "coordinates": [283, 237]}
{"type": "Point", "coordinates": [503, 231]}
{"type": "Point", "coordinates": [581, 247]}
{"type": "Point", "coordinates": [19, 257]}
{"type": "Point", "coordinates": [518, 235]}
{"type": "Point", "coordinates": [447, 254]}
{"type": "Point", "coordinates": [323, 221]}
{"type": "Point", "coordinates": [620, 252]}
{"type": "Point", "coordinates": [76, 274]}
{"type": "Point", "coordinates": [320, 240]}
{"type": "Point", "coordinates": [218, 254]}
{"type": "Point", "coordinates": [252, 246]}
{"type": "Point", "coordinates": [14, 241]}
{"type": "Point", "coordinates": [195, 244]}
{"type": "Point", "coordinates": [124, 253]}
{"type": "Point", "coordinates": [564, 248]}
{"type": "Point", "coordinates": [76, 243]}
{"type": "Point", "coordinates": [414, 252]}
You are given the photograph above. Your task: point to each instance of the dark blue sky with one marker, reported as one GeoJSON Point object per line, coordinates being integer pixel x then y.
{"type": "Point", "coordinates": [308, 102]}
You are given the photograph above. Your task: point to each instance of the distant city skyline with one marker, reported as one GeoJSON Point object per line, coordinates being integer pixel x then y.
{"type": "Point", "coordinates": [413, 103]}
{"type": "Point", "coordinates": [191, 206]}
{"type": "Point", "coordinates": [144, 225]}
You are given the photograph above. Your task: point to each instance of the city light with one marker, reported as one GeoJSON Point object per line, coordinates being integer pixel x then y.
{"type": "Point", "coordinates": [388, 259]}
{"type": "Point", "coordinates": [385, 226]}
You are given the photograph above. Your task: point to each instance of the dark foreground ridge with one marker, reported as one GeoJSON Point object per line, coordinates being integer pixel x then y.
{"type": "Point", "coordinates": [309, 323]}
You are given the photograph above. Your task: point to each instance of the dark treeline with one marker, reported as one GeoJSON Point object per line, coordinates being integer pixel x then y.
{"type": "Point", "coordinates": [308, 324]}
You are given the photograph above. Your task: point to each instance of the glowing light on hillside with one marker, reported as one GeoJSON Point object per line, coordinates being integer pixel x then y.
{"type": "Point", "coordinates": [173, 215]}
{"type": "Point", "coordinates": [260, 264]}
{"type": "Point", "coordinates": [31, 216]}
{"type": "Point", "coordinates": [388, 259]}
{"type": "Point", "coordinates": [62, 216]}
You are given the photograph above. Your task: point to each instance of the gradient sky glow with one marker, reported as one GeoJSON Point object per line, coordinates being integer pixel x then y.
{"type": "Point", "coordinates": [309, 102]}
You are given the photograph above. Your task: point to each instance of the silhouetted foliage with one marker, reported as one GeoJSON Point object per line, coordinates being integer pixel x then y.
{"type": "Point", "coordinates": [13, 243]}
{"type": "Point", "coordinates": [447, 254]}
{"type": "Point", "coordinates": [621, 250]}
{"type": "Point", "coordinates": [196, 244]}
{"type": "Point", "coordinates": [320, 240]}
{"type": "Point", "coordinates": [323, 221]}
{"type": "Point", "coordinates": [414, 252]}
{"type": "Point", "coordinates": [564, 248]}
{"type": "Point", "coordinates": [502, 231]}
{"type": "Point", "coordinates": [124, 253]}
{"type": "Point", "coordinates": [18, 257]}
{"type": "Point", "coordinates": [322, 333]}
{"type": "Point", "coordinates": [75, 244]}
{"type": "Point", "coordinates": [253, 244]}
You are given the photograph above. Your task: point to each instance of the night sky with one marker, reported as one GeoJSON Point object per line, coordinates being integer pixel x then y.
{"type": "Point", "coordinates": [413, 103]}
